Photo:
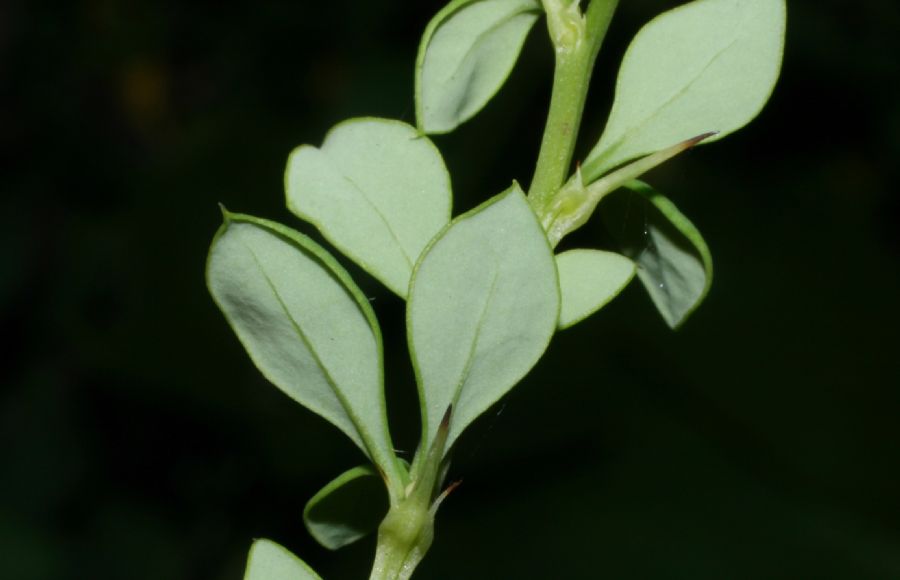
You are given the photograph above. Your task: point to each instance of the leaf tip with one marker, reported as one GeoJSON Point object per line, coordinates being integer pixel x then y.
{"type": "Point", "coordinates": [226, 215]}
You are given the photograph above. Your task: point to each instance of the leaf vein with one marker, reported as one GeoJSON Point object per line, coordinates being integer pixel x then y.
{"type": "Point", "coordinates": [675, 96]}
{"type": "Point", "coordinates": [387, 224]}
{"type": "Point", "coordinates": [364, 436]}
{"type": "Point", "coordinates": [464, 377]}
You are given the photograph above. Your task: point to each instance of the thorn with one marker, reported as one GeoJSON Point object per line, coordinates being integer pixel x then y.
{"type": "Point", "coordinates": [427, 473]}
{"type": "Point", "coordinates": [451, 487]}
{"type": "Point", "coordinates": [440, 499]}
{"type": "Point", "coordinates": [698, 139]}
{"type": "Point", "coordinates": [445, 422]}
{"type": "Point", "coordinates": [579, 178]}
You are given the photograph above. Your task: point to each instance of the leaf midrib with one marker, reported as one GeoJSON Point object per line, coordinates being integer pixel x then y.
{"type": "Point", "coordinates": [362, 432]}
{"type": "Point", "coordinates": [470, 359]}
{"type": "Point", "coordinates": [677, 95]}
{"type": "Point", "coordinates": [387, 224]}
{"type": "Point", "coordinates": [479, 39]}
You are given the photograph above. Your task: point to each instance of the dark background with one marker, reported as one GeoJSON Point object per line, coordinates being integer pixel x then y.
{"type": "Point", "coordinates": [138, 441]}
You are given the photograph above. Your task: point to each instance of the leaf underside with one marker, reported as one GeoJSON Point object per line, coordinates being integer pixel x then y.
{"type": "Point", "coordinates": [588, 280]}
{"type": "Point", "coordinates": [377, 190]}
{"type": "Point", "coordinates": [270, 561]}
{"type": "Point", "coordinates": [673, 260]}
{"type": "Point", "coordinates": [348, 508]}
{"type": "Point", "coordinates": [305, 325]}
{"type": "Point", "coordinates": [483, 305]}
{"type": "Point", "coordinates": [708, 65]}
{"type": "Point", "coordinates": [467, 52]}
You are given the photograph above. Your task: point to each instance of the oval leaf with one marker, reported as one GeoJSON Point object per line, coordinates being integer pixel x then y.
{"type": "Point", "coordinates": [271, 561]}
{"type": "Point", "coordinates": [350, 507]}
{"type": "Point", "coordinates": [305, 325]}
{"type": "Point", "coordinates": [588, 280]}
{"type": "Point", "coordinates": [467, 52]}
{"type": "Point", "coordinates": [377, 190]}
{"type": "Point", "coordinates": [673, 260]}
{"type": "Point", "coordinates": [483, 305]}
{"type": "Point", "coordinates": [709, 65]}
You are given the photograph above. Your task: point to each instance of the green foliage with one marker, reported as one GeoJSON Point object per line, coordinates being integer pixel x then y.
{"type": "Point", "coordinates": [270, 561]}
{"type": "Point", "coordinates": [349, 508]}
{"type": "Point", "coordinates": [466, 54]}
{"type": "Point", "coordinates": [376, 190]}
{"type": "Point", "coordinates": [484, 291]}
{"type": "Point", "coordinates": [674, 263]}
{"type": "Point", "coordinates": [708, 65]}
{"type": "Point", "coordinates": [588, 280]}
{"type": "Point", "coordinates": [483, 305]}
{"type": "Point", "coordinates": [305, 324]}
{"type": "Point", "coordinates": [575, 202]}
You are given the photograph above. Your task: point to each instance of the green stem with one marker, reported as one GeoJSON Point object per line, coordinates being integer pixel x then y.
{"type": "Point", "coordinates": [574, 203]}
{"type": "Point", "coordinates": [577, 40]}
{"type": "Point", "coordinates": [407, 531]}
{"type": "Point", "coordinates": [403, 540]}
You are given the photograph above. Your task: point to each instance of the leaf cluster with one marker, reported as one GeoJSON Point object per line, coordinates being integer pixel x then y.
{"type": "Point", "coordinates": [485, 290]}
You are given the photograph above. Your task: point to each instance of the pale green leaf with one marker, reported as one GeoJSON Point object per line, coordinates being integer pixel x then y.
{"type": "Point", "coordinates": [708, 65]}
{"type": "Point", "coordinates": [305, 325]}
{"type": "Point", "coordinates": [271, 561]}
{"type": "Point", "coordinates": [467, 52]}
{"type": "Point", "coordinates": [483, 305]}
{"type": "Point", "coordinates": [350, 507]}
{"type": "Point", "coordinates": [588, 280]}
{"type": "Point", "coordinates": [673, 260]}
{"type": "Point", "coordinates": [377, 190]}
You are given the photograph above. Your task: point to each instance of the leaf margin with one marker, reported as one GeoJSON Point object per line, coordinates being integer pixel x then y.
{"type": "Point", "coordinates": [597, 158]}
{"type": "Point", "coordinates": [314, 528]}
{"type": "Point", "coordinates": [420, 386]}
{"type": "Point", "coordinates": [333, 267]}
{"type": "Point", "coordinates": [685, 227]}
{"type": "Point", "coordinates": [349, 252]}
{"type": "Point", "coordinates": [261, 543]}
{"type": "Point", "coordinates": [442, 15]}
{"type": "Point", "coordinates": [599, 306]}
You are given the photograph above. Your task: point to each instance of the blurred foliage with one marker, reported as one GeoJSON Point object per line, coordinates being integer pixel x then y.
{"type": "Point", "coordinates": [761, 441]}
